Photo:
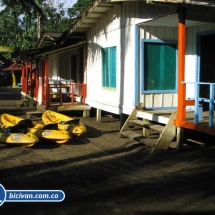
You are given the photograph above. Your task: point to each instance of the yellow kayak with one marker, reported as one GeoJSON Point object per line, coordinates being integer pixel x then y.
{"type": "Point", "coordinates": [74, 126]}
{"type": "Point", "coordinates": [50, 133]}
{"type": "Point", "coordinates": [18, 139]}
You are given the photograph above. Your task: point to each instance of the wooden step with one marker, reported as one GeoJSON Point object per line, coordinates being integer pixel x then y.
{"type": "Point", "coordinates": [157, 116]}
{"type": "Point", "coordinates": [147, 124]}
{"type": "Point", "coordinates": [34, 115]}
{"type": "Point", "coordinates": [137, 137]}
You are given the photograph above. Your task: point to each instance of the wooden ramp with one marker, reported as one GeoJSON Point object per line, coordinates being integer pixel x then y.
{"type": "Point", "coordinates": [153, 129]}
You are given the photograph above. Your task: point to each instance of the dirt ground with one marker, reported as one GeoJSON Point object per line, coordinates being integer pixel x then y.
{"type": "Point", "coordinates": [102, 174]}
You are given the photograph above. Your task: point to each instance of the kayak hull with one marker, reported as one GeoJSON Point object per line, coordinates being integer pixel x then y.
{"type": "Point", "coordinates": [18, 139]}
{"type": "Point", "coordinates": [73, 126]}
{"type": "Point", "coordinates": [57, 136]}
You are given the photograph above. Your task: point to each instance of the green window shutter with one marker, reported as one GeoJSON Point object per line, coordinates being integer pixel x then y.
{"type": "Point", "coordinates": [159, 66]}
{"type": "Point", "coordinates": [109, 67]}
{"type": "Point", "coordinates": [113, 67]}
{"type": "Point", "coordinates": [105, 76]}
{"type": "Point", "coordinates": [169, 67]}
{"type": "Point", "coordinates": [152, 66]}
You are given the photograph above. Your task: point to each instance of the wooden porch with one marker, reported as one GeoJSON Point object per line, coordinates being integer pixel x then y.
{"type": "Point", "coordinates": [141, 122]}
{"type": "Point", "coordinates": [60, 108]}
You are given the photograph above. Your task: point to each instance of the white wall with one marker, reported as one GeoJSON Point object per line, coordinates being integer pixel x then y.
{"type": "Point", "coordinates": [105, 34]}
{"type": "Point", "coordinates": [116, 28]}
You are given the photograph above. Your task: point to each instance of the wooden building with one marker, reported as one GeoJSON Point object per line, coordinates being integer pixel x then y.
{"type": "Point", "coordinates": [155, 52]}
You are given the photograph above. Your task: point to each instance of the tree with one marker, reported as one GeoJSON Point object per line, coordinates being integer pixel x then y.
{"type": "Point", "coordinates": [79, 6]}
{"type": "Point", "coordinates": [18, 26]}
{"type": "Point", "coordinates": [30, 6]}
{"type": "Point", "coordinates": [19, 22]}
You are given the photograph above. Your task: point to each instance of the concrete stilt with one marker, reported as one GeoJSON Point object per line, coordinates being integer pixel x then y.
{"type": "Point", "coordinates": [180, 138]}
{"type": "Point", "coordinates": [98, 115]}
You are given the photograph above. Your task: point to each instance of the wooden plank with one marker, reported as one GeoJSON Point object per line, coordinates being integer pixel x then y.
{"type": "Point", "coordinates": [73, 107]}
{"type": "Point", "coordinates": [158, 117]}
{"type": "Point", "coordinates": [130, 134]}
{"type": "Point", "coordinates": [139, 138]}
{"type": "Point", "coordinates": [34, 115]}
{"type": "Point", "coordinates": [131, 116]}
{"type": "Point", "coordinates": [159, 128]}
{"type": "Point", "coordinates": [148, 125]}
{"type": "Point", "coordinates": [167, 135]}
{"type": "Point", "coordinates": [145, 130]}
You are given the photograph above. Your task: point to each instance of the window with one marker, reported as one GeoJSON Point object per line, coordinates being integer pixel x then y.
{"type": "Point", "coordinates": [109, 67]}
{"type": "Point", "coordinates": [159, 66]}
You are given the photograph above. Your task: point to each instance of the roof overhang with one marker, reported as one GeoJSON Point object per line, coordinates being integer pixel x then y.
{"type": "Point", "coordinates": [171, 20]}
{"type": "Point", "coordinates": [91, 15]}
{"type": "Point", "coordinates": [13, 67]}
{"type": "Point", "coordinates": [207, 3]}
{"type": "Point", "coordinates": [49, 51]}
{"type": "Point", "coordinates": [61, 49]}
{"type": "Point", "coordinates": [100, 7]}
{"type": "Point", "coordinates": [47, 39]}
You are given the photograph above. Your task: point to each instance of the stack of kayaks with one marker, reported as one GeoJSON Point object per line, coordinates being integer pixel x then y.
{"type": "Point", "coordinates": [74, 126]}
{"type": "Point", "coordinates": [45, 132]}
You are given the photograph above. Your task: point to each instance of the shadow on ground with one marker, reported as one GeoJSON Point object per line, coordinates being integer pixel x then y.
{"type": "Point", "coordinates": [103, 174]}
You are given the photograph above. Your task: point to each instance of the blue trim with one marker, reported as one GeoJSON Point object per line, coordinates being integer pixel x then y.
{"type": "Point", "coordinates": [161, 108]}
{"type": "Point", "coordinates": [198, 36]}
{"type": "Point", "coordinates": [197, 86]}
{"type": "Point", "coordinates": [136, 64]}
{"type": "Point", "coordinates": [159, 91]}
{"type": "Point", "coordinates": [142, 67]}
{"type": "Point", "coordinates": [196, 89]}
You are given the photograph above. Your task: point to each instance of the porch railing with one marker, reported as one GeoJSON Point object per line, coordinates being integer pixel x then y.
{"type": "Point", "coordinates": [67, 94]}
{"type": "Point", "coordinates": [206, 95]}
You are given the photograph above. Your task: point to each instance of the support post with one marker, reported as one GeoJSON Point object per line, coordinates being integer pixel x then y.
{"type": "Point", "coordinates": [180, 138]}
{"type": "Point", "coordinates": [98, 115]}
{"type": "Point", "coordinates": [123, 118]}
{"type": "Point", "coordinates": [181, 63]}
{"type": "Point", "coordinates": [86, 113]}
{"type": "Point", "coordinates": [47, 83]}
{"type": "Point", "coordinates": [145, 130]}
{"type": "Point", "coordinates": [43, 85]}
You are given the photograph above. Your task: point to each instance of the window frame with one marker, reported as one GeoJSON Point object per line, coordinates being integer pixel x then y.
{"type": "Point", "coordinates": [142, 55]}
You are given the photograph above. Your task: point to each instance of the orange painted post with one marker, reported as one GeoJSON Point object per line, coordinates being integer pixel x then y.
{"type": "Point", "coordinates": [72, 94]}
{"type": "Point", "coordinates": [26, 75]}
{"type": "Point", "coordinates": [61, 94]}
{"type": "Point", "coordinates": [181, 63]}
{"type": "Point", "coordinates": [43, 84]}
{"type": "Point", "coordinates": [30, 79]}
{"type": "Point", "coordinates": [47, 83]}
{"type": "Point", "coordinates": [37, 80]}
{"type": "Point", "coordinates": [22, 78]}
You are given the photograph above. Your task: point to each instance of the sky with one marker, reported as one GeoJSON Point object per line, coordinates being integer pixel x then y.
{"type": "Point", "coordinates": [67, 3]}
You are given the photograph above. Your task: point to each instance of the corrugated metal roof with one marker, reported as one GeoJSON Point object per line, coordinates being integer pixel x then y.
{"type": "Point", "coordinates": [48, 39]}
{"type": "Point", "coordinates": [100, 7]}
{"type": "Point", "coordinates": [171, 20]}
{"type": "Point", "coordinates": [90, 16]}
{"type": "Point", "coordinates": [194, 2]}
{"type": "Point", "coordinates": [48, 51]}
{"type": "Point", "coordinates": [209, 3]}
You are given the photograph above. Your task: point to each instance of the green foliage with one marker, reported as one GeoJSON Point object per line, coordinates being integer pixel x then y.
{"type": "Point", "coordinates": [78, 7]}
{"type": "Point", "coordinates": [19, 24]}
{"type": "Point", "coordinates": [21, 20]}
